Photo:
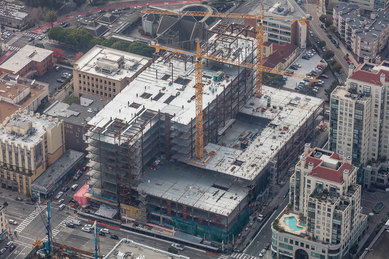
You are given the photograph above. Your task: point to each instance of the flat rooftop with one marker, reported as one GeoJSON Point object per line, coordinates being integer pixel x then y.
{"type": "Point", "coordinates": [56, 171]}
{"type": "Point", "coordinates": [127, 247]}
{"type": "Point", "coordinates": [78, 114]}
{"type": "Point", "coordinates": [110, 63]}
{"type": "Point", "coordinates": [36, 129]}
{"type": "Point", "coordinates": [287, 112]}
{"type": "Point", "coordinates": [11, 10]}
{"type": "Point", "coordinates": [168, 86]}
{"type": "Point", "coordinates": [25, 56]}
{"type": "Point", "coordinates": [280, 8]}
{"type": "Point", "coordinates": [187, 185]}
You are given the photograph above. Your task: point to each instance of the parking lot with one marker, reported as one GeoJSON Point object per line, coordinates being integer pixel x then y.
{"type": "Point", "coordinates": [51, 77]}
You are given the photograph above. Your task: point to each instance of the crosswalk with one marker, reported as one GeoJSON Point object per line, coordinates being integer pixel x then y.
{"type": "Point", "coordinates": [32, 35]}
{"type": "Point", "coordinates": [59, 227]}
{"type": "Point", "coordinates": [13, 48]}
{"type": "Point", "coordinates": [238, 256]}
{"type": "Point", "coordinates": [30, 218]}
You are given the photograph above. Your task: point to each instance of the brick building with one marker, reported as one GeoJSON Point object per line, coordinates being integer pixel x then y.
{"type": "Point", "coordinates": [29, 61]}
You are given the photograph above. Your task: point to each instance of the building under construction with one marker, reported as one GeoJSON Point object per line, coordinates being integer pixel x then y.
{"type": "Point", "coordinates": [142, 144]}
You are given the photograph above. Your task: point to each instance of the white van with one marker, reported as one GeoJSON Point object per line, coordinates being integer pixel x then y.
{"type": "Point", "coordinates": [74, 187]}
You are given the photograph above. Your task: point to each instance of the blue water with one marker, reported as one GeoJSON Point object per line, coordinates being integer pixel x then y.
{"type": "Point", "coordinates": [291, 222]}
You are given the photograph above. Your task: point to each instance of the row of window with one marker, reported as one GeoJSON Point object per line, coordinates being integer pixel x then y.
{"type": "Point", "coordinates": [96, 92]}
{"type": "Point", "coordinates": [96, 79]}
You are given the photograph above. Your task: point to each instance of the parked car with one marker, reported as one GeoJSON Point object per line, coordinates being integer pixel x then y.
{"type": "Point", "coordinates": [60, 80]}
{"type": "Point", "coordinates": [102, 234]}
{"type": "Point", "coordinates": [305, 57]}
{"type": "Point", "coordinates": [61, 201]}
{"type": "Point", "coordinates": [260, 217]}
{"type": "Point", "coordinates": [2, 251]}
{"type": "Point", "coordinates": [88, 230]}
{"type": "Point", "coordinates": [87, 226]}
{"type": "Point", "coordinates": [114, 237]}
{"type": "Point", "coordinates": [177, 246]}
{"type": "Point", "coordinates": [65, 188]}
{"type": "Point", "coordinates": [75, 222]}
{"type": "Point", "coordinates": [12, 247]}
{"type": "Point", "coordinates": [267, 246]}
{"type": "Point", "coordinates": [46, 30]}
{"type": "Point", "coordinates": [61, 207]}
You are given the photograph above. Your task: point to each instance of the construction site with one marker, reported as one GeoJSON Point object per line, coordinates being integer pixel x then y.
{"type": "Point", "coordinates": [195, 140]}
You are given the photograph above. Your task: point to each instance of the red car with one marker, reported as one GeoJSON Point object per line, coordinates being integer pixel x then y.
{"type": "Point", "coordinates": [323, 76]}
{"type": "Point", "coordinates": [12, 247]}
{"type": "Point", "coordinates": [347, 59]}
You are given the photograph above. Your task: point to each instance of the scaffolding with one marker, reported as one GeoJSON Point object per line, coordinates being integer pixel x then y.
{"type": "Point", "coordinates": [118, 152]}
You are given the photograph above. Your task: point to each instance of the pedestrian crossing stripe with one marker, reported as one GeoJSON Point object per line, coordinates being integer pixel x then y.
{"type": "Point", "coordinates": [59, 227]}
{"type": "Point", "coordinates": [29, 219]}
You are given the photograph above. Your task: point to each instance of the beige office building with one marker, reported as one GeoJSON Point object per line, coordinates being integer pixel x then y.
{"type": "Point", "coordinates": [104, 72]}
{"type": "Point", "coordinates": [323, 218]}
{"type": "Point", "coordinates": [29, 143]}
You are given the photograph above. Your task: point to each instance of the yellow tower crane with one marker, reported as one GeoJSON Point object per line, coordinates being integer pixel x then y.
{"type": "Point", "coordinates": [259, 28]}
{"type": "Point", "coordinates": [199, 138]}
{"type": "Point", "coordinates": [258, 66]}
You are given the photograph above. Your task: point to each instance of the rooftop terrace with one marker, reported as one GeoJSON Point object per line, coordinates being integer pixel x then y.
{"type": "Point", "coordinates": [286, 113]}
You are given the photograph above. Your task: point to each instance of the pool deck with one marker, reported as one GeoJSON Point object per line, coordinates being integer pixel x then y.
{"type": "Point", "coordinates": [287, 228]}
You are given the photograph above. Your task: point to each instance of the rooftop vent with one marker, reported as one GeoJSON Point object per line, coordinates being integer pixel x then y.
{"type": "Point", "coordinates": [346, 171]}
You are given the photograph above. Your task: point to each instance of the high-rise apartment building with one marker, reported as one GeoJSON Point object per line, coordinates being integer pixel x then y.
{"type": "Point", "coordinates": [29, 143]}
{"type": "Point", "coordinates": [323, 218]}
{"type": "Point", "coordinates": [359, 115]}
{"type": "Point", "coordinates": [365, 5]}
{"type": "Point", "coordinates": [104, 72]}
{"type": "Point", "coordinates": [3, 222]}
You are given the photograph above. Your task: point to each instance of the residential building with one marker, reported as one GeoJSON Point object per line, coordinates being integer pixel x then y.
{"type": "Point", "coordinates": [366, 35]}
{"type": "Point", "coordinates": [153, 121]}
{"type": "Point", "coordinates": [281, 31]}
{"type": "Point", "coordinates": [75, 118]}
{"type": "Point", "coordinates": [323, 218]}
{"type": "Point", "coordinates": [104, 72]}
{"type": "Point", "coordinates": [29, 61]}
{"type": "Point", "coordinates": [365, 5]}
{"type": "Point", "coordinates": [13, 14]}
{"type": "Point", "coordinates": [28, 145]}
{"type": "Point", "coordinates": [359, 124]}
{"type": "Point", "coordinates": [20, 93]}
{"type": "Point", "coordinates": [375, 175]}
{"type": "Point", "coordinates": [3, 223]}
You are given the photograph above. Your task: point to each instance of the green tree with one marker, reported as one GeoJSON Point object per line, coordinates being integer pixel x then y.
{"type": "Point", "coordinates": [321, 44]}
{"type": "Point", "coordinates": [121, 45]}
{"type": "Point", "coordinates": [328, 91]}
{"type": "Point", "coordinates": [328, 54]}
{"type": "Point", "coordinates": [327, 23]}
{"type": "Point", "coordinates": [50, 17]}
{"type": "Point", "coordinates": [322, 18]}
{"type": "Point", "coordinates": [336, 67]}
{"type": "Point", "coordinates": [141, 48]}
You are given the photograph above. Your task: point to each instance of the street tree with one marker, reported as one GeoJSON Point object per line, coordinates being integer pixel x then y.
{"type": "Point", "coordinates": [328, 54]}
{"type": "Point", "coordinates": [322, 18]}
{"type": "Point", "coordinates": [51, 17]}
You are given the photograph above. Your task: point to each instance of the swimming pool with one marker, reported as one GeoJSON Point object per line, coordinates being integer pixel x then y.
{"type": "Point", "coordinates": [291, 222]}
